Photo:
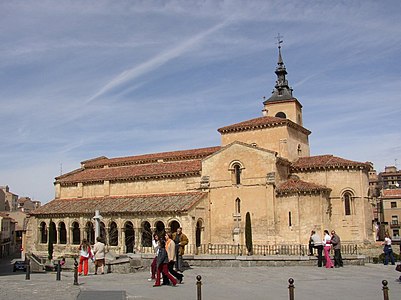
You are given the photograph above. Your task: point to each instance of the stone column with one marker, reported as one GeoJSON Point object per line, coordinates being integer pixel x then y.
{"type": "Point", "coordinates": [121, 242]}
{"type": "Point", "coordinates": [97, 219]}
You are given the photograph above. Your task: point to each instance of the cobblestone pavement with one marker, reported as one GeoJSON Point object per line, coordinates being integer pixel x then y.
{"type": "Point", "coordinates": [253, 283]}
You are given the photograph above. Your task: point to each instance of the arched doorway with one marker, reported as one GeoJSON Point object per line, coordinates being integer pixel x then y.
{"type": "Point", "coordinates": [198, 237]}
{"type": "Point", "coordinates": [129, 237]}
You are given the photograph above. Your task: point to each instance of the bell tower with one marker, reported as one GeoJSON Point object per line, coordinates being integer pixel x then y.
{"type": "Point", "coordinates": [282, 103]}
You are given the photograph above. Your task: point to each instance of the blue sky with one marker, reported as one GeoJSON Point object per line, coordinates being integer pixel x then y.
{"type": "Point", "coordinates": [81, 79]}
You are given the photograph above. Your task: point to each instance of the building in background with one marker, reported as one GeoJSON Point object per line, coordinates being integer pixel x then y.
{"type": "Point", "coordinates": [25, 204]}
{"type": "Point", "coordinates": [10, 199]}
{"type": "Point", "coordinates": [7, 235]}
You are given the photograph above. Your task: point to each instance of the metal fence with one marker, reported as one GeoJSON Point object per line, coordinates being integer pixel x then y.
{"type": "Point", "coordinates": [264, 250]}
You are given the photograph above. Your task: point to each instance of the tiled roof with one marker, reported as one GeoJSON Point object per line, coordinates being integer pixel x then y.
{"type": "Point", "coordinates": [151, 158]}
{"type": "Point", "coordinates": [392, 193]}
{"type": "Point", "coordinates": [262, 122]}
{"type": "Point", "coordinates": [298, 186]}
{"type": "Point", "coordinates": [325, 161]}
{"type": "Point", "coordinates": [155, 170]}
{"type": "Point", "coordinates": [136, 204]}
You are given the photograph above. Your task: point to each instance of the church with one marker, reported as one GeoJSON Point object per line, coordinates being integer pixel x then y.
{"type": "Point", "coordinates": [262, 167]}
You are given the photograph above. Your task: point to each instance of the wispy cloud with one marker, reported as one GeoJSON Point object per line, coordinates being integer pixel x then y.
{"type": "Point", "coordinates": [156, 61]}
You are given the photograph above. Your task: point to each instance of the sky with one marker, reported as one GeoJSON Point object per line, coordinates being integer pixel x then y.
{"type": "Point", "coordinates": [82, 79]}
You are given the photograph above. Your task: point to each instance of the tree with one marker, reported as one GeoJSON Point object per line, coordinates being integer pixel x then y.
{"type": "Point", "coordinates": [248, 234]}
{"type": "Point", "coordinates": [51, 241]}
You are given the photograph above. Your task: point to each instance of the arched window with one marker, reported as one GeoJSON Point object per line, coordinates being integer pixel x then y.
{"type": "Point", "coordinates": [281, 115]}
{"type": "Point", "coordinates": [146, 235]}
{"type": "Point", "coordinates": [76, 234]}
{"type": "Point", "coordinates": [237, 206]}
{"type": "Point", "coordinates": [237, 174]}
{"type": "Point", "coordinates": [43, 233]}
{"type": "Point", "coordinates": [347, 198]}
{"type": "Point", "coordinates": [113, 234]}
{"type": "Point", "coordinates": [62, 233]}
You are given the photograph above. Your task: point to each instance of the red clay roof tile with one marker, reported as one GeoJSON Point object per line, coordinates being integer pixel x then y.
{"type": "Point", "coordinates": [325, 161]}
{"type": "Point", "coordinates": [149, 158]}
{"type": "Point", "coordinates": [161, 169]}
{"type": "Point", "coordinates": [297, 186]}
{"type": "Point", "coordinates": [393, 193]}
{"type": "Point", "coordinates": [261, 122]}
{"type": "Point", "coordinates": [135, 204]}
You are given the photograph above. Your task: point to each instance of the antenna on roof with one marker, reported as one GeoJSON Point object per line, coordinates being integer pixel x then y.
{"type": "Point", "coordinates": [61, 169]}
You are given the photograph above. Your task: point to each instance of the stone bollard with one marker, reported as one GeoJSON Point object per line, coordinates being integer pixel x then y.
{"type": "Point", "coordinates": [199, 287]}
{"type": "Point", "coordinates": [385, 290]}
{"type": "Point", "coordinates": [291, 288]}
{"type": "Point", "coordinates": [58, 270]}
{"type": "Point", "coordinates": [75, 271]}
{"type": "Point", "coordinates": [28, 269]}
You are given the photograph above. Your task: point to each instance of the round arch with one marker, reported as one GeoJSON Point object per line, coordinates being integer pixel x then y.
{"type": "Point", "coordinates": [76, 233]}
{"type": "Point", "coordinates": [160, 228]}
{"type": "Point", "coordinates": [198, 232]}
{"type": "Point", "coordinates": [146, 234]}
{"type": "Point", "coordinates": [113, 234]}
{"type": "Point", "coordinates": [62, 231]}
{"type": "Point", "coordinates": [129, 237]}
{"type": "Point", "coordinates": [90, 232]}
{"type": "Point", "coordinates": [43, 232]}
{"type": "Point", "coordinates": [174, 225]}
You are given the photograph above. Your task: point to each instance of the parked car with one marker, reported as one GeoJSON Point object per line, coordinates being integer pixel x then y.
{"type": "Point", "coordinates": [19, 265]}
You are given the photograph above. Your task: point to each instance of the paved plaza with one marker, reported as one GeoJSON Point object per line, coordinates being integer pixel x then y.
{"type": "Point", "coordinates": [350, 282]}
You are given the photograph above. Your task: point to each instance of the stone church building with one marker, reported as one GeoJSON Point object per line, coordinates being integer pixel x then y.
{"type": "Point", "coordinates": [263, 166]}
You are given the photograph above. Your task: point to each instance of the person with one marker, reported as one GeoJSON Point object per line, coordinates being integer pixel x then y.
{"type": "Point", "coordinates": [85, 254]}
{"type": "Point", "coordinates": [388, 251]}
{"type": "Point", "coordinates": [170, 249]}
{"type": "Point", "coordinates": [317, 244]}
{"type": "Point", "coordinates": [162, 264]}
{"type": "Point", "coordinates": [327, 247]}
{"type": "Point", "coordinates": [311, 244]}
{"type": "Point", "coordinates": [336, 242]}
{"type": "Point", "coordinates": [99, 252]}
{"type": "Point", "coordinates": [180, 240]}
{"type": "Point", "coordinates": [153, 266]}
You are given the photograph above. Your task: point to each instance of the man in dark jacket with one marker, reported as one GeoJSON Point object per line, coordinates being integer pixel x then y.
{"type": "Point", "coordinates": [336, 242]}
{"type": "Point", "coordinates": [180, 241]}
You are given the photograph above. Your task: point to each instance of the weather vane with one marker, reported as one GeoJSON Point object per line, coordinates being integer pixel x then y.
{"type": "Point", "coordinates": [279, 40]}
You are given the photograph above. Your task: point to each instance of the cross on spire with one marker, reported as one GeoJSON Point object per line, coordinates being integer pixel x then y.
{"type": "Point", "coordinates": [279, 40]}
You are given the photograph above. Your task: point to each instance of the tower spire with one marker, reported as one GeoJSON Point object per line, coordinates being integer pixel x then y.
{"type": "Point", "coordinates": [282, 91]}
